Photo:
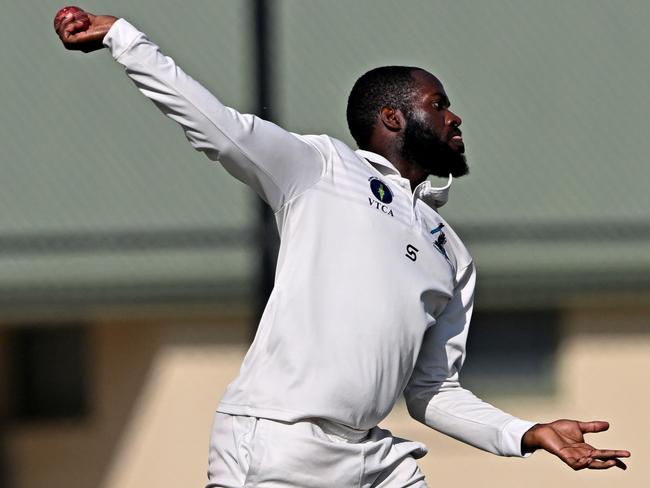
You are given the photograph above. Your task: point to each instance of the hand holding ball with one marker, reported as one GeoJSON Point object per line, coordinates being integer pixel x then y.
{"type": "Point", "coordinates": [80, 17]}
{"type": "Point", "coordinates": [80, 30]}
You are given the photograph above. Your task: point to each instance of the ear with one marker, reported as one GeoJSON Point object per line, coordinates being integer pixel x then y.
{"type": "Point", "coordinates": [392, 119]}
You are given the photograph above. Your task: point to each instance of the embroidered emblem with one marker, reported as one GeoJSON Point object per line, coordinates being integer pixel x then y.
{"type": "Point", "coordinates": [440, 241]}
{"type": "Point", "coordinates": [380, 190]}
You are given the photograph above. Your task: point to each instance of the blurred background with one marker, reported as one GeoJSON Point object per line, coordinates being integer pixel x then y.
{"type": "Point", "coordinates": [132, 269]}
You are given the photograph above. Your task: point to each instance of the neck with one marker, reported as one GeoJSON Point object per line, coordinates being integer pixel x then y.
{"type": "Point", "coordinates": [415, 173]}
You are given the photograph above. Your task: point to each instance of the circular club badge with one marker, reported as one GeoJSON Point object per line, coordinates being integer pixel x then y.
{"type": "Point", "coordinates": [380, 190]}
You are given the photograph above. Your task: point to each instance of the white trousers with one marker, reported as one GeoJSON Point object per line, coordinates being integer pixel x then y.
{"type": "Point", "coordinates": [260, 453]}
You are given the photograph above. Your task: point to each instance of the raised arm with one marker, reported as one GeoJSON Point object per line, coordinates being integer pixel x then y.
{"type": "Point", "coordinates": [277, 164]}
{"type": "Point", "coordinates": [435, 397]}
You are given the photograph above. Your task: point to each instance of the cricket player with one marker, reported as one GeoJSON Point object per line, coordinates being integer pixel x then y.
{"type": "Point", "coordinates": [373, 292]}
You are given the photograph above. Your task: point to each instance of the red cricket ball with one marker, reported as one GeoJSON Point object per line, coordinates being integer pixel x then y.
{"type": "Point", "coordinates": [71, 10]}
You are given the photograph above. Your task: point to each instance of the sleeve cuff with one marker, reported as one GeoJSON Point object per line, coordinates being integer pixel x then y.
{"type": "Point", "coordinates": [120, 37]}
{"type": "Point", "coordinates": [511, 436]}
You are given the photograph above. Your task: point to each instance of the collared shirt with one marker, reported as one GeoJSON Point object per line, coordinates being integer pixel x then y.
{"type": "Point", "coordinates": [373, 291]}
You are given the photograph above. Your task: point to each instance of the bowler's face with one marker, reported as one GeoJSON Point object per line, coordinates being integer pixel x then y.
{"type": "Point", "coordinates": [431, 138]}
{"type": "Point", "coordinates": [431, 107]}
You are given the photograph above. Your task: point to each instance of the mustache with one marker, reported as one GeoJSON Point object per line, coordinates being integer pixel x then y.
{"type": "Point", "coordinates": [455, 132]}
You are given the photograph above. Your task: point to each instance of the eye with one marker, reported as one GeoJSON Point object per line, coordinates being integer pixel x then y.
{"type": "Point", "coordinates": [440, 104]}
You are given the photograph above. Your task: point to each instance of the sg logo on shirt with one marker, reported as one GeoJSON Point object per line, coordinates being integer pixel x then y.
{"type": "Point", "coordinates": [411, 252]}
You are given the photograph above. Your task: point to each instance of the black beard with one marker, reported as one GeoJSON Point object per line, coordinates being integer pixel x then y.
{"type": "Point", "coordinates": [422, 147]}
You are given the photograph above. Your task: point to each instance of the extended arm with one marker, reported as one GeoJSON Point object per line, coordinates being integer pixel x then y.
{"type": "Point", "coordinates": [277, 164]}
{"type": "Point", "coordinates": [434, 397]}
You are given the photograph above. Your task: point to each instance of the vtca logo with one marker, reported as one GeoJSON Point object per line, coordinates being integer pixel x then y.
{"type": "Point", "coordinates": [383, 196]}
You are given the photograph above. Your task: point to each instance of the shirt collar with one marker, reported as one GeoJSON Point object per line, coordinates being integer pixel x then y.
{"type": "Point", "coordinates": [435, 197]}
{"type": "Point", "coordinates": [383, 165]}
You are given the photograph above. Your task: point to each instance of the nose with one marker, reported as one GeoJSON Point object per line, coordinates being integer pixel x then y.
{"type": "Point", "coordinates": [453, 119]}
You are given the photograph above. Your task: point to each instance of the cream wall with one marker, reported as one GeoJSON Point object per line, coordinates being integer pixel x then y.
{"type": "Point", "coordinates": [130, 365]}
{"type": "Point", "coordinates": [603, 373]}
{"type": "Point", "coordinates": [157, 386]}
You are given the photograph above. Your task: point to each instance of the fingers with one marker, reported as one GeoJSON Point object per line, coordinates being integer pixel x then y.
{"type": "Point", "coordinates": [610, 463]}
{"type": "Point", "coordinates": [66, 27]}
{"type": "Point", "coordinates": [584, 456]}
{"type": "Point", "coordinates": [600, 459]}
{"type": "Point", "coordinates": [71, 24]}
{"type": "Point", "coordinates": [65, 21]}
{"type": "Point", "coordinates": [608, 458]}
{"type": "Point", "coordinates": [620, 464]}
{"type": "Point", "coordinates": [72, 30]}
{"type": "Point", "coordinates": [78, 24]}
{"type": "Point", "coordinates": [610, 453]}
{"type": "Point", "coordinates": [588, 462]}
{"type": "Point", "coordinates": [62, 22]}
{"type": "Point", "coordinates": [603, 458]}
{"type": "Point", "coordinates": [593, 426]}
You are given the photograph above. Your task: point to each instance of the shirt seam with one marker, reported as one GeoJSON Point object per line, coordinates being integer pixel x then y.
{"type": "Point", "coordinates": [129, 45]}
{"type": "Point", "coordinates": [246, 405]}
{"type": "Point", "coordinates": [310, 186]}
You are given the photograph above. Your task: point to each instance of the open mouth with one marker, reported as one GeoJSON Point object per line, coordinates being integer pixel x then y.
{"type": "Point", "coordinates": [456, 142]}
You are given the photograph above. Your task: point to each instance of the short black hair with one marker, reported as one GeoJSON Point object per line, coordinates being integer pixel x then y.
{"type": "Point", "coordinates": [386, 86]}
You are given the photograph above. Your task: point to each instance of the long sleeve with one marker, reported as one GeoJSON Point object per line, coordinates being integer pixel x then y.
{"type": "Point", "coordinates": [277, 164]}
{"type": "Point", "coordinates": [434, 395]}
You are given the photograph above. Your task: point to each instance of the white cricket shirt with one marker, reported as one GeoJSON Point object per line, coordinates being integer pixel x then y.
{"type": "Point", "coordinates": [373, 290]}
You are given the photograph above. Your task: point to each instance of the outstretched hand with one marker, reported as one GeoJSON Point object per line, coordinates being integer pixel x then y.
{"type": "Point", "coordinates": [83, 31]}
{"type": "Point", "coordinates": [565, 439]}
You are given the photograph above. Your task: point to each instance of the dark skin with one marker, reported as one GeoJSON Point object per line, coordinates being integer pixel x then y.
{"type": "Point", "coordinates": [563, 438]}
{"type": "Point", "coordinates": [432, 106]}
{"type": "Point", "coordinates": [75, 38]}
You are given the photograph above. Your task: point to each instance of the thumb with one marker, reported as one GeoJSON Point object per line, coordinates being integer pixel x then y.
{"type": "Point", "coordinates": [593, 426]}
